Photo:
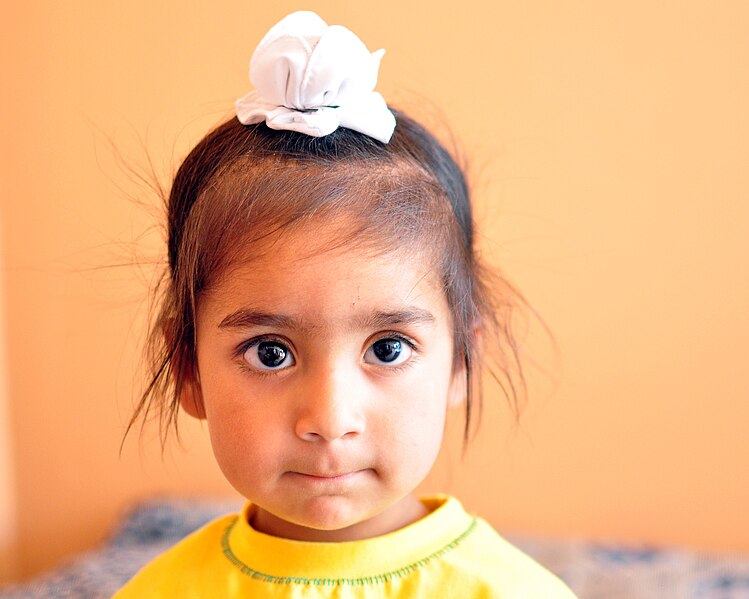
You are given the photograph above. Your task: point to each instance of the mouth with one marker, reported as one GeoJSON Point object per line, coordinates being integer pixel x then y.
{"type": "Point", "coordinates": [327, 477]}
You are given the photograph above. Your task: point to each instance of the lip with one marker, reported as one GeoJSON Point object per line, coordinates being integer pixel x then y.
{"type": "Point", "coordinates": [326, 477]}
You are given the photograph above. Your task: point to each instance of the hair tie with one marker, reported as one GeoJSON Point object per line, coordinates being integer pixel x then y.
{"type": "Point", "coordinates": [313, 78]}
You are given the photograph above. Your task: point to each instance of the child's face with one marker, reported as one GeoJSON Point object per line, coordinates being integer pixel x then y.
{"type": "Point", "coordinates": [325, 376]}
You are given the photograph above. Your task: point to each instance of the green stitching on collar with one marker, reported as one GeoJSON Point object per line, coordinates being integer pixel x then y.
{"type": "Point", "coordinates": [376, 579]}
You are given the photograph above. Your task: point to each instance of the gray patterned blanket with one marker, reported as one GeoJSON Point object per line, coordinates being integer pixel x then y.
{"type": "Point", "coordinates": [592, 570]}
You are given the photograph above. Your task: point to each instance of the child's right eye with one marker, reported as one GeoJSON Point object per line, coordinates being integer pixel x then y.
{"type": "Point", "coordinates": [269, 354]}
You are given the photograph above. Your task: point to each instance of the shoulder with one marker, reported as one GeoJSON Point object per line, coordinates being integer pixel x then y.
{"type": "Point", "coordinates": [163, 576]}
{"type": "Point", "coordinates": [499, 569]}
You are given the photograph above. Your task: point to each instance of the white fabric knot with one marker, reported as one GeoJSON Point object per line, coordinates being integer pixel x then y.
{"type": "Point", "coordinates": [313, 78]}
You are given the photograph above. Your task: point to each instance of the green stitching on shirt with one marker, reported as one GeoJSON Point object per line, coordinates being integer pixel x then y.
{"type": "Point", "coordinates": [376, 579]}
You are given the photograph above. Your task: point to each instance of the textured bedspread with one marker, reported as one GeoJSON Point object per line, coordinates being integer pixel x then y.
{"type": "Point", "coordinates": [592, 570]}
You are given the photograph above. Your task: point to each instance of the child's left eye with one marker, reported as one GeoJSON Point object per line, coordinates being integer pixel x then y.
{"type": "Point", "coordinates": [390, 351]}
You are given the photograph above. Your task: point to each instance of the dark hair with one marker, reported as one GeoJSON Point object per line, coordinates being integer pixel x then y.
{"type": "Point", "coordinates": [244, 182]}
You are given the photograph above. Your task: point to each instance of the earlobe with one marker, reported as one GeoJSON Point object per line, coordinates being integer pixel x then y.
{"type": "Point", "coordinates": [191, 399]}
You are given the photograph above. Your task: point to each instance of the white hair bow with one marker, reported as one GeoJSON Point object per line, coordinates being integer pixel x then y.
{"type": "Point", "coordinates": [313, 78]}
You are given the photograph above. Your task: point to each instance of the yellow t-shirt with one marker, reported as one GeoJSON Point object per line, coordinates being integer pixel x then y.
{"type": "Point", "coordinates": [446, 554]}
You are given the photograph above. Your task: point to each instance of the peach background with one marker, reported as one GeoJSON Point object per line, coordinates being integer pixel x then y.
{"type": "Point", "coordinates": [609, 149]}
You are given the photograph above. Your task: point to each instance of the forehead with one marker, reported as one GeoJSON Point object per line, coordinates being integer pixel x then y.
{"type": "Point", "coordinates": [321, 272]}
{"type": "Point", "coordinates": [255, 206]}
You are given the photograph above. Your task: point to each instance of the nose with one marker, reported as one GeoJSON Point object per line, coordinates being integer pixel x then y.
{"type": "Point", "coordinates": [330, 407]}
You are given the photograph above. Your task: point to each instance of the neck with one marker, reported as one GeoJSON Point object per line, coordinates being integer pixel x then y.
{"type": "Point", "coordinates": [406, 511]}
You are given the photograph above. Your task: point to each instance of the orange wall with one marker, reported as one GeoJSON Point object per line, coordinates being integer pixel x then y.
{"type": "Point", "coordinates": [609, 146]}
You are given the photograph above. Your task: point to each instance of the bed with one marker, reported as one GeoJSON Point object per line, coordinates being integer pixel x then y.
{"type": "Point", "coordinates": [594, 570]}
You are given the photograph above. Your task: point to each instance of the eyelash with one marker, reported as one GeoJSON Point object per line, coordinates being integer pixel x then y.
{"type": "Point", "coordinates": [240, 351]}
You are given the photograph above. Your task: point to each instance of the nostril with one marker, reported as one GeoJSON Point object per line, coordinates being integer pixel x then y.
{"type": "Point", "coordinates": [311, 436]}
{"type": "Point", "coordinates": [328, 429]}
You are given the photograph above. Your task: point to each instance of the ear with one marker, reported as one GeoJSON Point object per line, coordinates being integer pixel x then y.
{"type": "Point", "coordinates": [189, 392]}
{"type": "Point", "coordinates": [459, 382]}
{"type": "Point", "coordinates": [191, 398]}
{"type": "Point", "coordinates": [456, 395]}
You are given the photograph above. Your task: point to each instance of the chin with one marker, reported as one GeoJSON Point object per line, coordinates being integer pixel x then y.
{"type": "Point", "coordinates": [330, 513]}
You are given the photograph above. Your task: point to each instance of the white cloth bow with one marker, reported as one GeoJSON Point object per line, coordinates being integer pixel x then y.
{"type": "Point", "coordinates": [313, 78]}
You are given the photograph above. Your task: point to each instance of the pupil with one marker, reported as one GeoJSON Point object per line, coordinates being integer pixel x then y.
{"type": "Point", "coordinates": [271, 354]}
{"type": "Point", "coordinates": [387, 350]}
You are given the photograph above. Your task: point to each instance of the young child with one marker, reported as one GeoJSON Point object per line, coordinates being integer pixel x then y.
{"type": "Point", "coordinates": [322, 314]}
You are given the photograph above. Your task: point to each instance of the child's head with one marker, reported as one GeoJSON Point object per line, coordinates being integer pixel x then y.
{"type": "Point", "coordinates": [324, 370]}
{"type": "Point", "coordinates": [323, 308]}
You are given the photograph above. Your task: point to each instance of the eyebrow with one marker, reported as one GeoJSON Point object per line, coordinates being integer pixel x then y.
{"type": "Point", "coordinates": [245, 319]}
{"type": "Point", "coordinates": [248, 318]}
{"type": "Point", "coordinates": [406, 316]}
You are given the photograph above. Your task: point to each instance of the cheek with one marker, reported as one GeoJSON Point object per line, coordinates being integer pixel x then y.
{"type": "Point", "coordinates": [247, 451]}
{"type": "Point", "coordinates": [416, 423]}
{"type": "Point", "coordinates": [229, 397]}
{"type": "Point", "coordinates": [241, 434]}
